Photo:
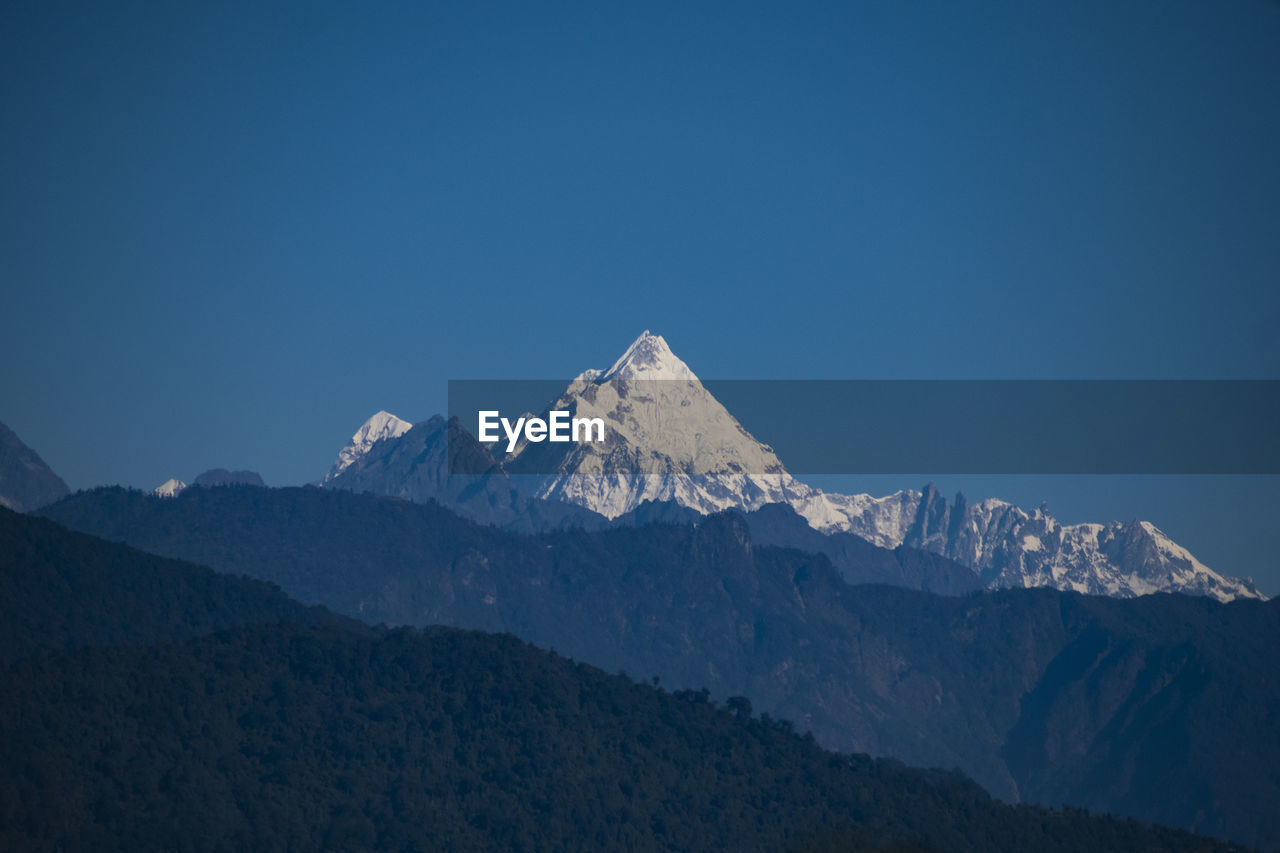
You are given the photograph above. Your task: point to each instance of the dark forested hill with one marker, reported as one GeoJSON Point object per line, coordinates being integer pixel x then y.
{"type": "Point", "coordinates": [1162, 707]}
{"type": "Point", "coordinates": [292, 737]}
{"type": "Point", "coordinates": [63, 590]}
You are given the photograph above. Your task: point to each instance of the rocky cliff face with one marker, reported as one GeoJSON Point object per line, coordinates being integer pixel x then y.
{"type": "Point", "coordinates": [1008, 546]}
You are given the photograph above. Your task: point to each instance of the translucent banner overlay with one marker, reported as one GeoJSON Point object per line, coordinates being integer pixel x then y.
{"type": "Point", "coordinates": [911, 426]}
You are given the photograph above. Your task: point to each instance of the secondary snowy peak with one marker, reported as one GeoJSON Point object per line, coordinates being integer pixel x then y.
{"type": "Point", "coordinates": [170, 488]}
{"type": "Point", "coordinates": [381, 426]}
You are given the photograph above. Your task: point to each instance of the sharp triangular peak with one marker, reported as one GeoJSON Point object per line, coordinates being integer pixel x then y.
{"type": "Point", "coordinates": [648, 357]}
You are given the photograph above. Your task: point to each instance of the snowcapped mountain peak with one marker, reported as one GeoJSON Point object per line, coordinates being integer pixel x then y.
{"type": "Point", "coordinates": [380, 426]}
{"type": "Point", "coordinates": [668, 439]}
{"type": "Point", "coordinates": [648, 357]}
{"type": "Point", "coordinates": [673, 441]}
{"type": "Point", "coordinates": [170, 488]}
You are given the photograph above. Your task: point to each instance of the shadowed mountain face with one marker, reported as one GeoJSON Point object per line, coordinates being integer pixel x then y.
{"type": "Point", "coordinates": [856, 559]}
{"type": "Point", "coordinates": [26, 482]}
{"type": "Point", "coordinates": [860, 562]}
{"type": "Point", "coordinates": [1158, 707]}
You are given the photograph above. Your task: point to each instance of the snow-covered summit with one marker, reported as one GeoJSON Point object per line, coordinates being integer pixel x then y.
{"type": "Point", "coordinates": [648, 357]}
{"type": "Point", "coordinates": [170, 488]}
{"type": "Point", "coordinates": [667, 439]}
{"type": "Point", "coordinates": [381, 426]}
{"type": "Point", "coordinates": [670, 439]}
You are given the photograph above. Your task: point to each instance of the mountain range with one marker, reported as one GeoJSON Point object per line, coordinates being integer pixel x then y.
{"type": "Point", "coordinates": [1162, 707]}
{"type": "Point", "coordinates": [682, 550]}
{"type": "Point", "coordinates": [670, 440]}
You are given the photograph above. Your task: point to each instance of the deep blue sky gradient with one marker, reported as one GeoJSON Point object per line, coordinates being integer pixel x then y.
{"type": "Point", "coordinates": [229, 234]}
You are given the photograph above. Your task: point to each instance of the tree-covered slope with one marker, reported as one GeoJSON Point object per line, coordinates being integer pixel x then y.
{"type": "Point", "coordinates": [63, 590]}
{"type": "Point", "coordinates": [296, 737]}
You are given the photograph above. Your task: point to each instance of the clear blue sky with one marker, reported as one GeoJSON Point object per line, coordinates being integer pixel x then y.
{"type": "Point", "coordinates": [227, 235]}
